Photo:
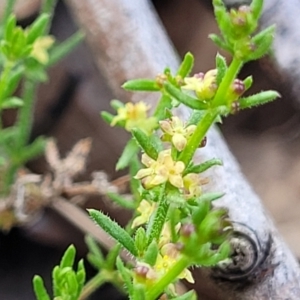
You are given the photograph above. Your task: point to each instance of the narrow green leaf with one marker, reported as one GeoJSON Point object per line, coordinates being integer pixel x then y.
{"type": "Point", "coordinates": [121, 201]}
{"type": "Point", "coordinates": [39, 288]}
{"type": "Point", "coordinates": [141, 85]}
{"type": "Point", "coordinates": [200, 211]}
{"type": "Point", "coordinates": [210, 197]}
{"type": "Point", "coordinates": [126, 276]}
{"type": "Point", "coordinates": [263, 42]}
{"type": "Point", "coordinates": [12, 102]}
{"type": "Point", "coordinates": [56, 280]}
{"type": "Point", "coordinates": [94, 261]}
{"type": "Point", "coordinates": [130, 150]}
{"type": "Point", "coordinates": [71, 282]}
{"type": "Point", "coordinates": [186, 66]}
{"type": "Point", "coordinates": [111, 257]}
{"type": "Point", "coordinates": [145, 142]}
{"type": "Point", "coordinates": [221, 67]}
{"type": "Point", "coordinates": [139, 292]}
{"type": "Point", "coordinates": [60, 51]}
{"type": "Point", "coordinates": [162, 107]}
{"type": "Point", "coordinates": [248, 82]}
{"type": "Point", "coordinates": [191, 295]}
{"type": "Point", "coordinates": [48, 6]}
{"type": "Point", "coordinates": [220, 43]}
{"type": "Point", "coordinates": [68, 258]}
{"type": "Point", "coordinates": [9, 28]}
{"type": "Point", "coordinates": [13, 82]}
{"type": "Point", "coordinates": [258, 99]}
{"type": "Point", "coordinates": [107, 117]}
{"type": "Point", "coordinates": [256, 7]}
{"type": "Point", "coordinates": [140, 239]}
{"type": "Point", "coordinates": [95, 256]}
{"type": "Point", "coordinates": [80, 276]}
{"type": "Point", "coordinates": [38, 27]}
{"type": "Point", "coordinates": [116, 104]}
{"type": "Point", "coordinates": [151, 253]}
{"type": "Point", "coordinates": [33, 150]}
{"type": "Point", "coordinates": [114, 230]}
{"type": "Point", "coordinates": [187, 100]}
{"type": "Point", "coordinates": [222, 17]}
{"type": "Point", "coordinates": [135, 184]}
{"type": "Point", "coordinates": [195, 117]}
{"type": "Point", "coordinates": [204, 166]}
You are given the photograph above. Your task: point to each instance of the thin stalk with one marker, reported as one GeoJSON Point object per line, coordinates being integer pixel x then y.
{"type": "Point", "coordinates": [92, 285]}
{"type": "Point", "coordinates": [25, 117]}
{"type": "Point", "coordinates": [48, 7]}
{"type": "Point", "coordinates": [193, 144]}
{"type": "Point", "coordinates": [3, 82]}
{"type": "Point", "coordinates": [155, 227]}
{"type": "Point", "coordinates": [170, 277]}
{"type": "Point", "coordinates": [230, 75]}
{"type": "Point", "coordinates": [8, 10]}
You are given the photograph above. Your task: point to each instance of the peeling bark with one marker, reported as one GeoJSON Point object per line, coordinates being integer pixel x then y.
{"type": "Point", "coordinates": [128, 42]}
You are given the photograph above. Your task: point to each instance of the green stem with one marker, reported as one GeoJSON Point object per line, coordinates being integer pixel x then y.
{"type": "Point", "coordinates": [230, 75]}
{"type": "Point", "coordinates": [155, 227]}
{"type": "Point", "coordinates": [25, 117]}
{"type": "Point", "coordinates": [48, 7]}
{"type": "Point", "coordinates": [8, 10]}
{"type": "Point", "coordinates": [193, 144]}
{"type": "Point", "coordinates": [3, 83]}
{"type": "Point", "coordinates": [208, 119]}
{"type": "Point", "coordinates": [92, 285]}
{"type": "Point", "coordinates": [170, 277]}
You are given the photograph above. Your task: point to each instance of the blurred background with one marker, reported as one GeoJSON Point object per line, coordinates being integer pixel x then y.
{"type": "Point", "coordinates": [265, 140]}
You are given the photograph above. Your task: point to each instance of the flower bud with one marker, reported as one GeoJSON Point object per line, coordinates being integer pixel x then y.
{"type": "Point", "coordinates": [215, 227]}
{"type": "Point", "coordinates": [141, 271]}
{"type": "Point", "coordinates": [238, 87]}
{"type": "Point", "coordinates": [187, 229]}
{"type": "Point", "coordinates": [161, 79]}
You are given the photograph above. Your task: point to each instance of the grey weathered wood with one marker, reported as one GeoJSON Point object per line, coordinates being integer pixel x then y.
{"type": "Point", "coordinates": [128, 42]}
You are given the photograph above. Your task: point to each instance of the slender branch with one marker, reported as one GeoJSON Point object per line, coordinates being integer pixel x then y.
{"type": "Point", "coordinates": [124, 33]}
{"type": "Point", "coordinates": [173, 273]}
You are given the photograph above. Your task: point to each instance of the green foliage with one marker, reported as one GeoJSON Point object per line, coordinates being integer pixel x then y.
{"type": "Point", "coordinates": [67, 282]}
{"type": "Point", "coordinates": [114, 230]}
{"type": "Point", "coordinates": [175, 224]}
{"type": "Point", "coordinates": [25, 54]}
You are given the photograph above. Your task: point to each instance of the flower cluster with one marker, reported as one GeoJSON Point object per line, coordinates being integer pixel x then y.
{"type": "Point", "coordinates": [204, 85]}
{"type": "Point", "coordinates": [176, 132]}
{"type": "Point", "coordinates": [162, 170]}
{"type": "Point", "coordinates": [135, 116]}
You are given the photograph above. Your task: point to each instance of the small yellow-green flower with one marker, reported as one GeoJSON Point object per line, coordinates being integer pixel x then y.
{"type": "Point", "coordinates": [193, 185]}
{"type": "Point", "coordinates": [135, 115]}
{"type": "Point", "coordinates": [145, 209]}
{"type": "Point", "coordinates": [168, 256]}
{"type": "Point", "coordinates": [161, 170]}
{"type": "Point", "coordinates": [40, 48]}
{"type": "Point", "coordinates": [166, 234]}
{"type": "Point", "coordinates": [204, 85]}
{"type": "Point", "coordinates": [177, 132]}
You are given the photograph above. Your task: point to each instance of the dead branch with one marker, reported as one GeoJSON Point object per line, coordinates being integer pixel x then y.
{"type": "Point", "coordinates": [128, 42]}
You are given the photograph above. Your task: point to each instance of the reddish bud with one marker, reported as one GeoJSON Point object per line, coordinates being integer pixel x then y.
{"type": "Point", "coordinates": [238, 87]}
{"type": "Point", "coordinates": [141, 271]}
{"type": "Point", "coordinates": [187, 229]}
{"type": "Point", "coordinates": [199, 75]}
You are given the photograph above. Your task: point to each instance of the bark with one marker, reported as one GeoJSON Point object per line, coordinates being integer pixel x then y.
{"type": "Point", "coordinates": [128, 42]}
